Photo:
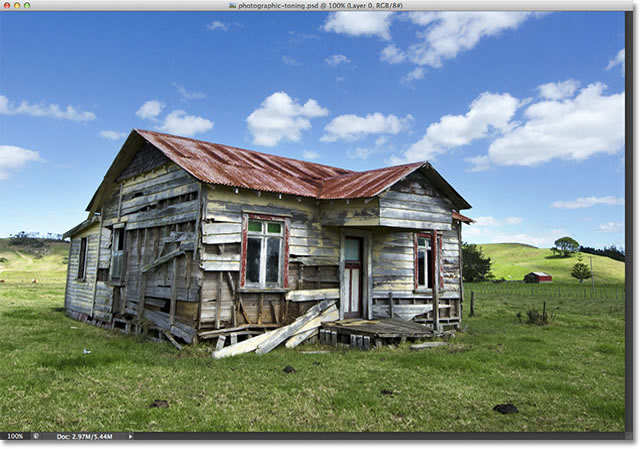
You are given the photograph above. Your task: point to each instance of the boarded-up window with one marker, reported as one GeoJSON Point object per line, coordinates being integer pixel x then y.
{"type": "Point", "coordinates": [117, 254]}
{"type": "Point", "coordinates": [264, 251]}
{"type": "Point", "coordinates": [82, 261]}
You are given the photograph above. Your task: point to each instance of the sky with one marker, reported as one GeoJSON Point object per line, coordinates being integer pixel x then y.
{"type": "Point", "coordinates": [522, 113]}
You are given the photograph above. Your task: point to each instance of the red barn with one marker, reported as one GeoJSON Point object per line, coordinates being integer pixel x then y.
{"type": "Point", "coordinates": [537, 277]}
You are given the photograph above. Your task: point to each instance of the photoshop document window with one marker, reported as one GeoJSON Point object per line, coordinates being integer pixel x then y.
{"type": "Point", "coordinates": [315, 220]}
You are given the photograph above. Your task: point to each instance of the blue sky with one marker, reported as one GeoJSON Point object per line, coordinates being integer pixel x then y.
{"type": "Point", "coordinates": [522, 113]}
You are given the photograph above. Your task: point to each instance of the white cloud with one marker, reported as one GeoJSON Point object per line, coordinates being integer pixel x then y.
{"type": "Point", "coordinates": [352, 127]}
{"type": "Point", "coordinates": [150, 109]}
{"type": "Point", "coordinates": [415, 74]}
{"type": "Point", "coordinates": [513, 220]}
{"type": "Point", "coordinates": [486, 221]}
{"type": "Point", "coordinates": [445, 34]}
{"type": "Point", "coordinates": [217, 25]}
{"type": "Point", "coordinates": [12, 157]}
{"type": "Point", "coordinates": [112, 135]}
{"type": "Point", "coordinates": [571, 129]}
{"type": "Point", "coordinates": [617, 60]}
{"type": "Point", "coordinates": [487, 111]}
{"type": "Point", "coordinates": [178, 122]}
{"type": "Point", "coordinates": [42, 110]}
{"type": "Point", "coordinates": [279, 117]}
{"type": "Point", "coordinates": [335, 60]}
{"type": "Point", "coordinates": [359, 23]}
{"type": "Point", "coordinates": [558, 91]}
{"type": "Point", "coordinates": [612, 226]}
{"type": "Point", "coordinates": [189, 95]}
{"type": "Point", "coordinates": [392, 54]}
{"type": "Point", "coordinates": [360, 153]}
{"type": "Point", "coordinates": [382, 140]}
{"type": "Point", "coordinates": [311, 155]}
{"type": "Point", "coordinates": [590, 201]}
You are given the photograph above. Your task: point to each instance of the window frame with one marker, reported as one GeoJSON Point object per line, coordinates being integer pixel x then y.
{"type": "Point", "coordinates": [263, 235]}
{"type": "Point", "coordinates": [433, 236]}
{"type": "Point", "coordinates": [83, 255]}
{"type": "Point", "coordinates": [118, 235]}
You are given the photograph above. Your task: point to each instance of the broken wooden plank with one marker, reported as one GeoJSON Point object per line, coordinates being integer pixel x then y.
{"type": "Point", "coordinates": [181, 334]}
{"type": "Point", "coordinates": [172, 340]}
{"type": "Point", "coordinates": [241, 348]}
{"type": "Point", "coordinates": [313, 295]}
{"type": "Point", "coordinates": [281, 334]}
{"type": "Point", "coordinates": [427, 345]}
{"type": "Point", "coordinates": [300, 337]}
{"type": "Point", "coordinates": [220, 343]}
{"type": "Point", "coordinates": [162, 259]}
{"type": "Point", "coordinates": [309, 329]}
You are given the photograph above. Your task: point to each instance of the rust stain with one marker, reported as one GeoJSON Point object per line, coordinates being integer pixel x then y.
{"type": "Point", "coordinates": [236, 167]}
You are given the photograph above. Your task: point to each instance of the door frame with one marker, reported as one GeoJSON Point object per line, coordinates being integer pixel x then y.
{"type": "Point", "coordinates": [367, 280]}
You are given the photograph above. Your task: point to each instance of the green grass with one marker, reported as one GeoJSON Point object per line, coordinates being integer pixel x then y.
{"type": "Point", "coordinates": [516, 260]}
{"type": "Point", "coordinates": [567, 376]}
{"type": "Point", "coordinates": [20, 266]}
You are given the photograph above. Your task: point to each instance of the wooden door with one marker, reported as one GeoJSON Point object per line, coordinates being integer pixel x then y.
{"type": "Point", "coordinates": [352, 277]}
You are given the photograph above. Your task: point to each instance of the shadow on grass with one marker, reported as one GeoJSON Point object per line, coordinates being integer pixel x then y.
{"type": "Point", "coordinates": [77, 361]}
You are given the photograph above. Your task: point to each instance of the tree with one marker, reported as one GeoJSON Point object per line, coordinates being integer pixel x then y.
{"type": "Point", "coordinates": [580, 270]}
{"type": "Point", "coordinates": [475, 266]}
{"type": "Point", "coordinates": [565, 247]}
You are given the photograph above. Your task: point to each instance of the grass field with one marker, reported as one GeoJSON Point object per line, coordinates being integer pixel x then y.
{"type": "Point", "coordinates": [516, 260]}
{"type": "Point", "coordinates": [566, 376]}
{"type": "Point", "coordinates": [21, 266]}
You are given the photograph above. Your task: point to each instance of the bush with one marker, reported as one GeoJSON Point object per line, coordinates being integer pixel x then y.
{"type": "Point", "coordinates": [475, 267]}
{"type": "Point", "coordinates": [535, 317]}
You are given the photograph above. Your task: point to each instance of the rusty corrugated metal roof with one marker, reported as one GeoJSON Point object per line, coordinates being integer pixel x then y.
{"type": "Point", "coordinates": [458, 216]}
{"type": "Point", "coordinates": [221, 164]}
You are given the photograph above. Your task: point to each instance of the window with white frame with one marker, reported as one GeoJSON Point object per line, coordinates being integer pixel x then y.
{"type": "Point", "coordinates": [264, 263]}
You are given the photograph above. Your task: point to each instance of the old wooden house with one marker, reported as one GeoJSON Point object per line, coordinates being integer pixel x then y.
{"type": "Point", "coordinates": [189, 236]}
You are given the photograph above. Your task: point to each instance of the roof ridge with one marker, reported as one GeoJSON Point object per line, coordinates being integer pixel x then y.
{"type": "Point", "coordinates": [138, 130]}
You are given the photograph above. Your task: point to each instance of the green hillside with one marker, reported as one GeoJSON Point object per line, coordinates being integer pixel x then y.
{"type": "Point", "coordinates": [516, 260]}
{"type": "Point", "coordinates": [21, 265]}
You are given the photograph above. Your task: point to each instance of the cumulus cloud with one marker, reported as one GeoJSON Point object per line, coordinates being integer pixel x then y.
{"type": "Point", "coordinates": [486, 221]}
{"type": "Point", "coordinates": [558, 91]}
{"type": "Point", "coordinates": [513, 220]}
{"type": "Point", "coordinates": [310, 155]}
{"type": "Point", "coordinates": [590, 201]}
{"type": "Point", "coordinates": [359, 23]}
{"type": "Point", "coordinates": [13, 157]}
{"type": "Point", "coordinates": [611, 226]}
{"type": "Point", "coordinates": [360, 153]}
{"type": "Point", "coordinates": [150, 109]}
{"type": "Point", "coordinates": [392, 54]}
{"type": "Point", "coordinates": [44, 110]}
{"type": "Point", "coordinates": [187, 94]}
{"type": "Point", "coordinates": [178, 122]}
{"type": "Point", "coordinates": [280, 117]}
{"type": "Point", "coordinates": [618, 59]}
{"type": "Point", "coordinates": [570, 129]}
{"type": "Point", "coordinates": [335, 60]}
{"type": "Point", "coordinates": [352, 127]}
{"type": "Point", "coordinates": [488, 111]}
{"type": "Point", "coordinates": [444, 35]}
{"type": "Point", "coordinates": [112, 135]}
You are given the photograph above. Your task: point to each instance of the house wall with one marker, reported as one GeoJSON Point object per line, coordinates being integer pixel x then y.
{"type": "Point", "coordinates": [79, 293]}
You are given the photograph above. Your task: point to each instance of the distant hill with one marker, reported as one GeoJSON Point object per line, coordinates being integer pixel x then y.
{"type": "Point", "coordinates": [18, 263]}
{"type": "Point", "coordinates": [516, 260]}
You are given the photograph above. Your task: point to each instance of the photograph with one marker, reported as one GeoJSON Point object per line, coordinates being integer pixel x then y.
{"type": "Point", "coordinates": [315, 223]}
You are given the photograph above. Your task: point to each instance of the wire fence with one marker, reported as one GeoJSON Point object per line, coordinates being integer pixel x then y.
{"type": "Point", "coordinates": [548, 290]}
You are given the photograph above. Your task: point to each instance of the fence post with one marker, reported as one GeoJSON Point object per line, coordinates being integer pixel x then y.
{"type": "Point", "coordinates": [472, 310]}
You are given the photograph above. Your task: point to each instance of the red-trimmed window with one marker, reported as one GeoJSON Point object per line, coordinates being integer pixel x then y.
{"type": "Point", "coordinates": [265, 251]}
{"type": "Point", "coordinates": [425, 260]}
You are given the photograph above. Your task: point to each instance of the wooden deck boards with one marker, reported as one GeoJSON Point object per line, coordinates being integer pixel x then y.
{"type": "Point", "coordinates": [380, 328]}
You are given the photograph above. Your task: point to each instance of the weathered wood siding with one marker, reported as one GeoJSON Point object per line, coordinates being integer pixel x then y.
{"type": "Point", "coordinates": [415, 204]}
{"type": "Point", "coordinates": [79, 292]}
{"type": "Point", "coordinates": [314, 253]}
{"type": "Point", "coordinates": [356, 212]}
